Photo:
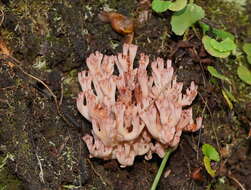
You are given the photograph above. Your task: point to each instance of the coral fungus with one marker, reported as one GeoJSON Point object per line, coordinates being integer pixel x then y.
{"type": "Point", "coordinates": [133, 113]}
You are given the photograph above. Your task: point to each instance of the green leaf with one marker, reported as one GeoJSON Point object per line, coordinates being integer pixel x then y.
{"type": "Point", "coordinates": [244, 74]}
{"type": "Point", "coordinates": [206, 40]}
{"type": "Point", "coordinates": [178, 5]}
{"type": "Point", "coordinates": [230, 95]}
{"type": "Point", "coordinates": [227, 99]}
{"type": "Point", "coordinates": [186, 17]}
{"type": "Point", "coordinates": [210, 152]}
{"type": "Point", "coordinates": [224, 46]}
{"type": "Point", "coordinates": [249, 59]}
{"type": "Point", "coordinates": [222, 34]}
{"type": "Point", "coordinates": [160, 6]}
{"type": "Point", "coordinates": [207, 164]}
{"type": "Point", "coordinates": [216, 74]}
{"type": "Point", "coordinates": [247, 50]}
{"type": "Point", "coordinates": [204, 27]}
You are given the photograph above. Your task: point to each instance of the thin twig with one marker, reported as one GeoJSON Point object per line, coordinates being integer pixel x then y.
{"type": "Point", "coordinates": [2, 17]}
{"type": "Point", "coordinates": [198, 144]}
{"type": "Point", "coordinates": [62, 91]}
{"type": "Point", "coordinates": [211, 115]}
{"type": "Point", "coordinates": [79, 168]}
{"type": "Point", "coordinates": [8, 87]}
{"type": "Point", "coordinates": [233, 150]}
{"type": "Point", "coordinates": [203, 73]}
{"type": "Point", "coordinates": [41, 173]}
{"type": "Point", "coordinates": [98, 174]}
{"type": "Point", "coordinates": [236, 181]}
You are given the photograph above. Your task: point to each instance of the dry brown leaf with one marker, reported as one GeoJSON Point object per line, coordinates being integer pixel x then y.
{"type": "Point", "coordinates": [196, 175]}
{"type": "Point", "coordinates": [4, 50]}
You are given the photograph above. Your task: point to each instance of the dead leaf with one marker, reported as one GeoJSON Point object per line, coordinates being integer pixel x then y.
{"type": "Point", "coordinates": [196, 175]}
{"type": "Point", "coordinates": [4, 50]}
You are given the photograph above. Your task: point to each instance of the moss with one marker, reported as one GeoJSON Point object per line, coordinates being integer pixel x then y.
{"type": "Point", "coordinates": [225, 15]}
{"type": "Point", "coordinates": [7, 180]}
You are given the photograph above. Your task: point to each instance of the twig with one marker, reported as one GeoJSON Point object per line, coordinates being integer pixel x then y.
{"type": "Point", "coordinates": [79, 168]}
{"type": "Point", "coordinates": [62, 146]}
{"type": "Point", "coordinates": [8, 87]}
{"type": "Point", "coordinates": [236, 181]}
{"type": "Point", "coordinates": [249, 134]}
{"type": "Point", "coordinates": [198, 144]}
{"type": "Point", "coordinates": [2, 17]}
{"type": "Point", "coordinates": [62, 91]}
{"type": "Point", "coordinates": [41, 173]}
{"type": "Point", "coordinates": [203, 73]}
{"type": "Point", "coordinates": [195, 32]}
{"type": "Point", "coordinates": [98, 174]}
{"type": "Point", "coordinates": [211, 115]}
{"type": "Point", "coordinates": [233, 150]}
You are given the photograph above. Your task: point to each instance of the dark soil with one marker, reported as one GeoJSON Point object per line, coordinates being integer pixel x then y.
{"type": "Point", "coordinates": [52, 39]}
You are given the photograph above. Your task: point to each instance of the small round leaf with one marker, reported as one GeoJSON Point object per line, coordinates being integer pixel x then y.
{"type": "Point", "coordinates": [224, 46]}
{"type": "Point", "coordinates": [247, 50]}
{"type": "Point", "coordinates": [244, 73]}
{"type": "Point", "coordinates": [160, 6]}
{"type": "Point", "coordinates": [209, 151]}
{"type": "Point", "coordinates": [206, 40]}
{"type": "Point", "coordinates": [222, 34]}
{"type": "Point", "coordinates": [216, 74]}
{"type": "Point", "coordinates": [178, 5]}
{"type": "Point", "coordinates": [185, 18]}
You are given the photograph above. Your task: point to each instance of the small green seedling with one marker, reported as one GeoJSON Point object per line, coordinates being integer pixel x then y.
{"type": "Point", "coordinates": [216, 74]}
{"type": "Point", "coordinates": [185, 14]}
{"type": "Point", "coordinates": [178, 5]}
{"type": "Point", "coordinates": [244, 73]}
{"type": "Point", "coordinates": [210, 154]}
{"type": "Point", "coordinates": [229, 97]}
{"type": "Point", "coordinates": [186, 17]}
{"type": "Point", "coordinates": [205, 27]}
{"type": "Point", "coordinates": [160, 6]}
{"type": "Point", "coordinates": [247, 50]}
{"type": "Point", "coordinates": [222, 45]}
{"type": "Point", "coordinates": [222, 34]}
{"type": "Point", "coordinates": [225, 95]}
{"type": "Point", "coordinates": [221, 49]}
{"type": "Point", "coordinates": [226, 45]}
{"type": "Point", "coordinates": [206, 40]}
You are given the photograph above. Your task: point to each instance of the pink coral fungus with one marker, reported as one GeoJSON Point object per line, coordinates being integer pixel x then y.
{"type": "Point", "coordinates": [133, 113]}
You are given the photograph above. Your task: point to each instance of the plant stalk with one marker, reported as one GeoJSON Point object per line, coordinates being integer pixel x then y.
{"type": "Point", "coordinates": [161, 168]}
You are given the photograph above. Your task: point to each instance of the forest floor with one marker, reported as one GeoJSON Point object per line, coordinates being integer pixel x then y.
{"type": "Point", "coordinates": [41, 130]}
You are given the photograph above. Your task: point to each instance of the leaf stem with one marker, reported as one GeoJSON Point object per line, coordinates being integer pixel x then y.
{"type": "Point", "coordinates": [161, 168]}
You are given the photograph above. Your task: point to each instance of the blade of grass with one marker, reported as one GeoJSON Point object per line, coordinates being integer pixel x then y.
{"type": "Point", "coordinates": [161, 168]}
